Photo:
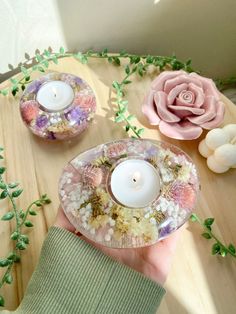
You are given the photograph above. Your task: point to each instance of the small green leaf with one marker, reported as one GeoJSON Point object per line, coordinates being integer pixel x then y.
{"type": "Point", "coordinates": [136, 59]}
{"type": "Point", "coordinates": [193, 217]}
{"type": "Point", "coordinates": [8, 216]}
{"type": "Point", "coordinates": [14, 257]}
{"type": "Point", "coordinates": [27, 78]}
{"type": "Point", "coordinates": [124, 102]}
{"type": "Point", "coordinates": [105, 51]}
{"type": "Point", "coordinates": [3, 194]}
{"type": "Point", "coordinates": [130, 117]}
{"type": "Point", "coordinates": [140, 131]}
{"type": "Point", "coordinates": [127, 128]}
{"type": "Point", "coordinates": [127, 82]}
{"type": "Point", "coordinates": [38, 203]}
{"type": "Point", "coordinates": [54, 59]}
{"type": "Point", "coordinates": [22, 214]}
{"type": "Point", "coordinates": [22, 87]}
{"type": "Point", "coordinates": [123, 53]}
{"type": "Point", "coordinates": [4, 262]}
{"type": "Point", "coordinates": [62, 50]}
{"type": "Point", "coordinates": [24, 238]}
{"type": "Point", "coordinates": [215, 248]}
{"type": "Point", "coordinates": [110, 59]}
{"type": "Point", "coordinates": [8, 278]}
{"type": "Point", "coordinates": [23, 70]}
{"type": "Point", "coordinates": [116, 85]}
{"type": "Point", "coordinates": [15, 235]}
{"type": "Point", "coordinates": [47, 53]}
{"type": "Point", "coordinates": [231, 248]}
{"type": "Point", "coordinates": [2, 170]}
{"type": "Point", "coordinates": [45, 63]}
{"type": "Point", "coordinates": [4, 92]}
{"type": "Point", "coordinates": [41, 69]}
{"type": "Point", "coordinates": [21, 245]}
{"type": "Point", "coordinates": [17, 193]}
{"type": "Point", "coordinates": [223, 251]}
{"type": "Point", "coordinates": [149, 59]}
{"type": "Point", "coordinates": [2, 185]}
{"type": "Point", "coordinates": [116, 60]}
{"type": "Point", "coordinates": [38, 57]}
{"type": "Point", "coordinates": [119, 118]}
{"type": "Point", "coordinates": [1, 157]}
{"type": "Point", "coordinates": [32, 213]}
{"type": "Point", "coordinates": [209, 221]}
{"type": "Point", "coordinates": [127, 69]}
{"type": "Point", "coordinates": [2, 301]}
{"type": "Point", "coordinates": [206, 235]}
{"type": "Point", "coordinates": [28, 224]}
{"type": "Point", "coordinates": [13, 80]}
{"type": "Point", "coordinates": [13, 185]}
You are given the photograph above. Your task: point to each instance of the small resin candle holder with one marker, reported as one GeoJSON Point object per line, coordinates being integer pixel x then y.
{"type": "Point", "coordinates": [57, 106]}
{"type": "Point", "coordinates": [129, 193]}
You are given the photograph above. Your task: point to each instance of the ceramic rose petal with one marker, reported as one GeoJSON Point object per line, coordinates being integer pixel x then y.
{"type": "Point", "coordinates": [182, 104]}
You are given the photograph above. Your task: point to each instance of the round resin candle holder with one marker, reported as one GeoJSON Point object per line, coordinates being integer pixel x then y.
{"type": "Point", "coordinates": [57, 106]}
{"type": "Point", "coordinates": [129, 193]}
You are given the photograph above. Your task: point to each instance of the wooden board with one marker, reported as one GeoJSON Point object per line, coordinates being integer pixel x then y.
{"type": "Point", "coordinates": [198, 282]}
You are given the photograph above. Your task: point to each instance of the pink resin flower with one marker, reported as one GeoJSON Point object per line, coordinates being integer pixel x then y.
{"type": "Point", "coordinates": [29, 110]}
{"type": "Point", "coordinates": [85, 102]}
{"type": "Point", "coordinates": [183, 104]}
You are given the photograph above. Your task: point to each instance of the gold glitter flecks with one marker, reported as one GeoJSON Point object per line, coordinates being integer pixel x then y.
{"type": "Point", "coordinates": [60, 127]}
{"type": "Point", "coordinates": [153, 161]}
{"type": "Point", "coordinates": [158, 216]}
{"type": "Point", "coordinates": [102, 161]}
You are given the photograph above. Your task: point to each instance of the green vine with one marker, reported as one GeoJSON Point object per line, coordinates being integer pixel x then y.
{"type": "Point", "coordinates": [11, 191]}
{"type": "Point", "coordinates": [218, 247]}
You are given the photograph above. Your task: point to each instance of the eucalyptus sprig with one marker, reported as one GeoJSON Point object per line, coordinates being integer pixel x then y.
{"type": "Point", "coordinates": [11, 191]}
{"type": "Point", "coordinates": [218, 247]}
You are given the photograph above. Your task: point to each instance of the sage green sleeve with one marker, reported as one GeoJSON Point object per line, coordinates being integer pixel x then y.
{"type": "Point", "coordinates": [74, 277]}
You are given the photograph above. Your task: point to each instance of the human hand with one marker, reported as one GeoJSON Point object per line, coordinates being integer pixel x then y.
{"type": "Point", "coordinates": [152, 261]}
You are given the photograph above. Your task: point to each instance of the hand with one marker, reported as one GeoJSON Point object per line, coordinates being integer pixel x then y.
{"type": "Point", "coordinates": [152, 261]}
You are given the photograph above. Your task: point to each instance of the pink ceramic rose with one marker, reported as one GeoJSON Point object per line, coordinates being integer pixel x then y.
{"type": "Point", "coordinates": [183, 104]}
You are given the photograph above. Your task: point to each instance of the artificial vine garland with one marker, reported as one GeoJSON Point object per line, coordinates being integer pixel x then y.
{"type": "Point", "coordinates": [136, 65]}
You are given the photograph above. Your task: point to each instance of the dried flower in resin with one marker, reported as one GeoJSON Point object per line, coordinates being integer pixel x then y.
{"type": "Point", "coordinates": [92, 175]}
{"type": "Point", "coordinates": [29, 110]}
{"type": "Point", "coordinates": [182, 194]}
{"type": "Point", "coordinates": [116, 150]}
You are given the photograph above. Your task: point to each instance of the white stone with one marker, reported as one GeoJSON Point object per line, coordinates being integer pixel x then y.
{"type": "Point", "coordinates": [204, 150]}
{"type": "Point", "coordinates": [214, 166]}
{"type": "Point", "coordinates": [226, 155]}
{"type": "Point", "coordinates": [107, 237]}
{"type": "Point", "coordinates": [216, 138]}
{"type": "Point", "coordinates": [110, 231]}
{"type": "Point", "coordinates": [153, 221]}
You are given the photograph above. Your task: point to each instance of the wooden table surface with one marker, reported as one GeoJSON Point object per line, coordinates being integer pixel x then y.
{"type": "Point", "coordinates": [198, 282]}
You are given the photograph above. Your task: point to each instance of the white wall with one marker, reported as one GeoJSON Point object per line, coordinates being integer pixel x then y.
{"type": "Point", "coordinates": [204, 30]}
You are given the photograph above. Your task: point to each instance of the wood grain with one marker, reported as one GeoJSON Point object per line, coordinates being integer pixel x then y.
{"type": "Point", "coordinates": [198, 282]}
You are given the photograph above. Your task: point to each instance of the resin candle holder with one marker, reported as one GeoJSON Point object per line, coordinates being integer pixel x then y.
{"type": "Point", "coordinates": [129, 193]}
{"type": "Point", "coordinates": [57, 106]}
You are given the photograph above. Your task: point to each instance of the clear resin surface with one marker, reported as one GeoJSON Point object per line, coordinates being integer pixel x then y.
{"type": "Point", "coordinates": [88, 202]}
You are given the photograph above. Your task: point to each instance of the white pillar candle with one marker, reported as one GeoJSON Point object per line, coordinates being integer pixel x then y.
{"type": "Point", "coordinates": [55, 95]}
{"type": "Point", "coordinates": [135, 183]}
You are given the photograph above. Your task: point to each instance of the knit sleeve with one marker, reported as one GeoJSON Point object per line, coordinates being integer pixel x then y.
{"type": "Point", "coordinates": [74, 277]}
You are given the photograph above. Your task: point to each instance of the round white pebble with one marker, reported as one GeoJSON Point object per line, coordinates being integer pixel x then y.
{"type": "Point", "coordinates": [216, 138]}
{"type": "Point", "coordinates": [204, 150]}
{"type": "Point", "coordinates": [107, 237]}
{"type": "Point", "coordinates": [110, 231]}
{"type": "Point", "coordinates": [226, 155]}
{"type": "Point", "coordinates": [214, 166]}
{"type": "Point", "coordinates": [230, 129]}
{"type": "Point", "coordinates": [112, 222]}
